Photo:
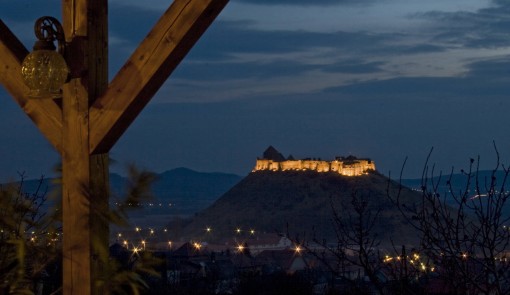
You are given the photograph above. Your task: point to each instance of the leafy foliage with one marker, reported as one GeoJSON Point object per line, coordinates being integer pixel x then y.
{"type": "Point", "coordinates": [126, 277]}
{"type": "Point", "coordinates": [29, 238]}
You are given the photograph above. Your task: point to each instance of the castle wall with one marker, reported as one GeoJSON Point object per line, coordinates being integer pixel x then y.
{"type": "Point", "coordinates": [291, 165]}
{"type": "Point", "coordinates": [323, 166]}
{"type": "Point", "coordinates": [336, 166]}
{"type": "Point", "coordinates": [357, 168]}
{"type": "Point", "coordinates": [310, 164]}
{"type": "Point", "coordinates": [350, 168]}
{"type": "Point", "coordinates": [262, 164]}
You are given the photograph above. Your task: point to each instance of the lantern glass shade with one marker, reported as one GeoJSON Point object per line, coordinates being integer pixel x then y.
{"type": "Point", "coordinates": [44, 72]}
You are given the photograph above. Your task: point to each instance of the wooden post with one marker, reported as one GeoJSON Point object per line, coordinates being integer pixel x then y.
{"type": "Point", "coordinates": [85, 176]}
{"type": "Point", "coordinates": [94, 115]}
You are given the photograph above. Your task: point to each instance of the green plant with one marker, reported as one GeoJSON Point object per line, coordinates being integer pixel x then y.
{"type": "Point", "coordinates": [29, 237]}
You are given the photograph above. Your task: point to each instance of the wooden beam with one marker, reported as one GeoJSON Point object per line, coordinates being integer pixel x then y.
{"type": "Point", "coordinates": [99, 185]}
{"type": "Point", "coordinates": [147, 69]}
{"type": "Point", "coordinates": [45, 113]}
{"type": "Point", "coordinates": [84, 177]}
{"type": "Point", "coordinates": [76, 197]}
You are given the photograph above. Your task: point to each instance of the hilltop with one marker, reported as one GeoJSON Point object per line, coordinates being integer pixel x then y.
{"type": "Point", "coordinates": [349, 166]}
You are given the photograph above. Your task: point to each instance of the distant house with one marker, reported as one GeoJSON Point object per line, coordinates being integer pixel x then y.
{"type": "Point", "coordinates": [269, 242]}
{"type": "Point", "coordinates": [187, 263]}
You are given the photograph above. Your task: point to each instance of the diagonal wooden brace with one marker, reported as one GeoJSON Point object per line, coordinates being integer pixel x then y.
{"type": "Point", "coordinates": [45, 113]}
{"type": "Point", "coordinates": [147, 69]}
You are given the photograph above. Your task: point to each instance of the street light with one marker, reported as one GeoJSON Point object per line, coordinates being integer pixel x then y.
{"type": "Point", "coordinates": [44, 70]}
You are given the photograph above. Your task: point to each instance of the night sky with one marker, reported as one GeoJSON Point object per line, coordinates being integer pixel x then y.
{"type": "Point", "coordinates": [384, 79]}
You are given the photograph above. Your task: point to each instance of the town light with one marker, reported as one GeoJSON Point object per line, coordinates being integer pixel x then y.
{"type": "Point", "coordinates": [44, 70]}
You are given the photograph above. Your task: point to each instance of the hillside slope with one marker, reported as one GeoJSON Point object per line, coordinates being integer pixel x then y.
{"type": "Point", "coordinates": [300, 202]}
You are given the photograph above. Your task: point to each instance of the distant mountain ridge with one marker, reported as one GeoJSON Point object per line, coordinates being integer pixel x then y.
{"type": "Point", "coordinates": [458, 181]}
{"type": "Point", "coordinates": [458, 184]}
{"type": "Point", "coordinates": [187, 190]}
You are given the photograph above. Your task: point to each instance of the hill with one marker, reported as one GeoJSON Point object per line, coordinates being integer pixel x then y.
{"type": "Point", "coordinates": [300, 202]}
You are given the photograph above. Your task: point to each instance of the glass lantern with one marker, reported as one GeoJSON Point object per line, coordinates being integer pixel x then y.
{"type": "Point", "coordinates": [44, 70]}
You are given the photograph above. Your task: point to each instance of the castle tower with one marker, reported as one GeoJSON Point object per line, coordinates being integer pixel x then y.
{"type": "Point", "coordinates": [272, 154]}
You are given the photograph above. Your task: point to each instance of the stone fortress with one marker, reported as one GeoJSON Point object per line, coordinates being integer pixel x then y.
{"type": "Point", "coordinates": [349, 166]}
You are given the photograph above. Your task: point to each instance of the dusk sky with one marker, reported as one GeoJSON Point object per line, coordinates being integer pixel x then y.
{"type": "Point", "coordinates": [384, 79]}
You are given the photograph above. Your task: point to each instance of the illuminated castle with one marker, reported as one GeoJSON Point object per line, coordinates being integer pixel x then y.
{"type": "Point", "coordinates": [348, 166]}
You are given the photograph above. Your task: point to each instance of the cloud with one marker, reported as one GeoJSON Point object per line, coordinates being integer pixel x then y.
{"type": "Point", "coordinates": [271, 66]}
{"type": "Point", "coordinates": [233, 53]}
{"type": "Point", "coordinates": [239, 37]}
{"type": "Point", "coordinates": [484, 79]}
{"type": "Point", "coordinates": [492, 72]}
{"type": "Point", "coordinates": [484, 28]}
{"type": "Point", "coordinates": [236, 59]}
{"type": "Point", "coordinates": [354, 66]}
{"type": "Point", "coordinates": [222, 71]}
{"type": "Point", "coordinates": [421, 48]}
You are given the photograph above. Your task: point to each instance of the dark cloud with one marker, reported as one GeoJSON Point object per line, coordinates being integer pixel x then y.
{"type": "Point", "coordinates": [501, 2]}
{"type": "Point", "coordinates": [353, 67]}
{"type": "Point", "coordinates": [421, 48]}
{"type": "Point", "coordinates": [225, 38]}
{"type": "Point", "coordinates": [214, 56]}
{"type": "Point", "coordinates": [485, 28]}
{"type": "Point", "coordinates": [307, 2]}
{"type": "Point", "coordinates": [497, 70]}
{"type": "Point", "coordinates": [433, 87]}
{"type": "Point", "coordinates": [259, 70]}
{"type": "Point", "coordinates": [239, 37]}
{"type": "Point", "coordinates": [269, 70]}
{"type": "Point", "coordinates": [484, 78]}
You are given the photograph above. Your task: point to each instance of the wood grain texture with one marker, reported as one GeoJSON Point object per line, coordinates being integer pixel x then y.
{"type": "Point", "coordinates": [76, 251]}
{"type": "Point", "coordinates": [148, 68]}
{"type": "Point", "coordinates": [85, 177]}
